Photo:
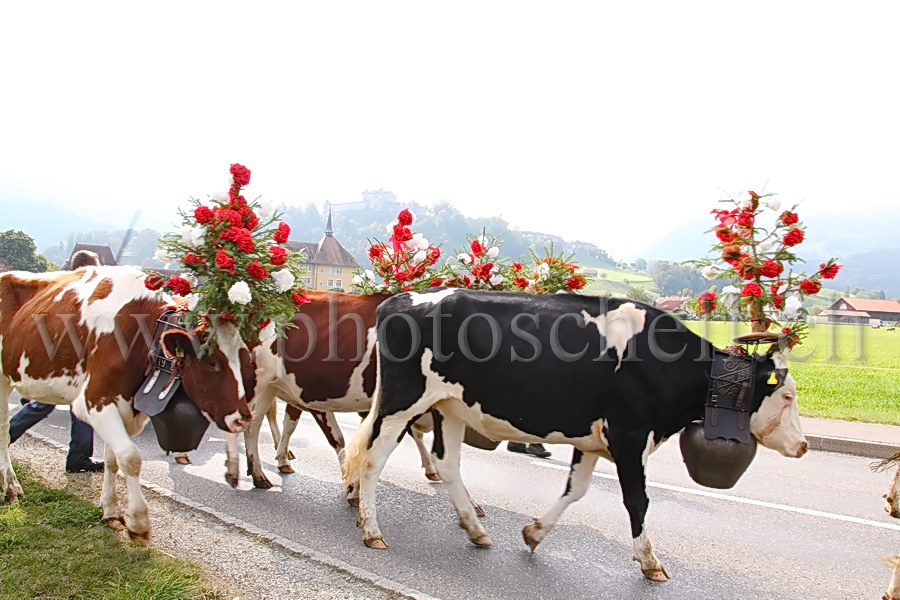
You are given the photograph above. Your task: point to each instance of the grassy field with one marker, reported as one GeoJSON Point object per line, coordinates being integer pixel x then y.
{"type": "Point", "coordinates": [842, 371]}
{"type": "Point", "coordinates": [53, 545]}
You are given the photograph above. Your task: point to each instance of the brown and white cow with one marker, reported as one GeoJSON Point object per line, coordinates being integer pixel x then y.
{"type": "Point", "coordinates": [84, 338]}
{"type": "Point", "coordinates": [892, 507]}
{"type": "Point", "coordinates": [326, 364]}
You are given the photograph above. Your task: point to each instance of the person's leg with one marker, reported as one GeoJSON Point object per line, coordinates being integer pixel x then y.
{"type": "Point", "coordinates": [81, 447]}
{"type": "Point", "coordinates": [26, 417]}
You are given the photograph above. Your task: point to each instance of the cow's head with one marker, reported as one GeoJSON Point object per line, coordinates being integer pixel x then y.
{"type": "Point", "coordinates": [212, 380]}
{"type": "Point", "coordinates": [776, 424]}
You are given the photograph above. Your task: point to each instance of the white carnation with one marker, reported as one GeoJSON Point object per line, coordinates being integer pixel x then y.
{"type": "Point", "coordinates": [197, 236]}
{"type": "Point", "coordinates": [419, 257]}
{"type": "Point", "coordinates": [419, 241]}
{"type": "Point", "coordinates": [710, 271]}
{"type": "Point", "coordinates": [265, 208]}
{"type": "Point", "coordinates": [792, 307]}
{"type": "Point", "coordinates": [766, 244]}
{"type": "Point", "coordinates": [493, 251]}
{"type": "Point", "coordinates": [220, 196]}
{"type": "Point", "coordinates": [464, 258]}
{"type": "Point", "coordinates": [192, 300]}
{"type": "Point", "coordinates": [543, 271]}
{"type": "Point", "coordinates": [186, 235]}
{"type": "Point", "coordinates": [163, 256]}
{"type": "Point", "coordinates": [370, 275]}
{"type": "Point", "coordinates": [496, 279]}
{"type": "Point", "coordinates": [745, 200]}
{"type": "Point", "coordinates": [239, 293]}
{"type": "Point", "coordinates": [284, 280]}
{"type": "Point", "coordinates": [783, 288]}
{"type": "Point", "coordinates": [774, 204]}
{"type": "Point", "coordinates": [730, 289]}
{"type": "Point", "coordinates": [357, 280]}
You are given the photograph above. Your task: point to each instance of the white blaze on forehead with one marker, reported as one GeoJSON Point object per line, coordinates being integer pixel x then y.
{"type": "Point", "coordinates": [418, 298]}
{"type": "Point", "coordinates": [618, 326]}
{"type": "Point", "coordinates": [230, 344]}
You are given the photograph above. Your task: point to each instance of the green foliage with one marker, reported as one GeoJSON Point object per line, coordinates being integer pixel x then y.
{"type": "Point", "coordinates": [54, 545]}
{"type": "Point", "coordinates": [671, 278]}
{"type": "Point", "coordinates": [18, 253]}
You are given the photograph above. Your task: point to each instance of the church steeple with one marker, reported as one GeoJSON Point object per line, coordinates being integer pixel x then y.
{"type": "Point", "coordinates": [329, 230]}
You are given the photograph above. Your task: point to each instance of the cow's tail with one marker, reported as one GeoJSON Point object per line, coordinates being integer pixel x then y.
{"type": "Point", "coordinates": [356, 458]}
{"type": "Point", "coordinates": [886, 463]}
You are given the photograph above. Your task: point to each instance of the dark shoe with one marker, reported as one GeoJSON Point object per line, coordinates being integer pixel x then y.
{"type": "Point", "coordinates": [517, 447]}
{"type": "Point", "coordinates": [91, 466]}
{"type": "Point", "coordinates": [538, 450]}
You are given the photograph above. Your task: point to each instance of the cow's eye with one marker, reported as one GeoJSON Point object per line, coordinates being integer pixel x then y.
{"type": "Point", "coordinates": [788, 397]}
{"type": "Point", "coordinates": [212, 365]}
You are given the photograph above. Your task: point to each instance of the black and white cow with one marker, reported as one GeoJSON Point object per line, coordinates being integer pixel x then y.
{"type": "Point", "coordinates": [613, 378]}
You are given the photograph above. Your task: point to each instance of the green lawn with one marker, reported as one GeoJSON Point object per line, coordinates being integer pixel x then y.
{"type": "Point", "coordinates": [842, 371]}
{"type": "Point", "coordinates": [53, 545]}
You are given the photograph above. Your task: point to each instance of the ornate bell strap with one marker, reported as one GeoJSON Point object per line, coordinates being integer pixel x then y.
{"type": "Point", "coordinates": [729, 400]}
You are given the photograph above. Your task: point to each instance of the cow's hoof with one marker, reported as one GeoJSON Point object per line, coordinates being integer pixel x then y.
{"type": "Point", "coordinates": [656, 574]}
{"type": "Point", "coordinates": [376, 544]}
{"type": "Point", "coordinates": [432, 477]}
{"type": "Point", "coordinates": [115, 523]}
{"type": "Point", "coordinates": [530, 534]}
{"type": "Point", "coordinates": [478, 510]}
{"type": "Point", "coordinates": [12, 496]}
{"type": "Point", "coordinates": [483, 541]}
{"type": "Point", "coordinates": [286, 469]}
{"type": "Point", "coordinates": [261, 482]}
{"type": "Point", "coordinates": [231, 479]}
{"type": "Point", "coordinates": [183, 460]}
{"type": "Point", "coordinates": [139, 539]}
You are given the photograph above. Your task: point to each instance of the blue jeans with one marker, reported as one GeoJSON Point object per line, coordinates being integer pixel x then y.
{"type": "Point", "coordinates": [81, 446]}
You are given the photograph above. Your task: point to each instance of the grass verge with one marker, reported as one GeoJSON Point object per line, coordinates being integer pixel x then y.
{"type": "Point", "coordinates": [53, 545]}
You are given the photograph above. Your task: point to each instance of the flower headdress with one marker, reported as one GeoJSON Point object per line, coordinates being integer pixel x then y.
{"type": "Point", "coordinates": [758, 260]}
{"type": "Point", "coordinates": [238, 270]}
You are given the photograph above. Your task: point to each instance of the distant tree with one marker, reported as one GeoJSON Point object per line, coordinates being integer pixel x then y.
{"type": "Point", "coordinates": [876, 295]}
{"type": "Point", "coordinates": [603, 275]}
{"type": "Point", "coordinates": [640, 264]}
{"type": "Point", "coordinates": [672, 278]}
{"type": "Point", "coordinates": [18, 252]}
{"type": "Point", "coordinates": [637, 293]}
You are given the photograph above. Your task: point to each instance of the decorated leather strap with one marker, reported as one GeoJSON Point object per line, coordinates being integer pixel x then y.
{"type": "Point", "coordinates": [728, 408]}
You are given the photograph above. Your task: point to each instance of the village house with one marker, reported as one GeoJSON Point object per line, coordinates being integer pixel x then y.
{"type": "Point", "coordinates": [329, 265]}
{"type": "Point", "coordinates": [860, 311]}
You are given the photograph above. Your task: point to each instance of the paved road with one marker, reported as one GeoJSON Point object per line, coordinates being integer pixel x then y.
{"type": "Point", "coordinates": [809, 528]}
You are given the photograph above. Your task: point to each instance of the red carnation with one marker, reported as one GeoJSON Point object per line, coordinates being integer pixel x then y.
{"type": "Point", "coordinates": [376, 251]}
{"type": "Point", "coordinates": [193, 259]}
{"type": "Point", "coordinates": [725, 235]}
{"type": "Point", "coordinates": [745, 218]}
{"type": "Point", "coordinates": [575, 283]}
{"type": "Point", "coordinates": [225, 261]}
{"type": "Point", "coordinates": [478, 248]}
{"type": "Point", "coordinates": [483, 271]}
{"type": "Point", "coordinates": [239, 236]}
{"type": "Point", "coordinates": [520, 282]}
{"type": "Point", "coordinates": [466, 281]}
{"type": "Point", "coordinates": [770, 268]}
{"type": "Point", "coordinates": [236, 202]}
{"type": "Point", "coordinates": [179, 285]}
{"type": "Point", "coordinates": [730, 253]}
{"type": "Point", "coordinates": [225, 316]}
{"type": "Point", "coordinates": [299, 298]}
{"type": "Point", "coordinates": [153, 281]}
{"type": "Point", "coordinates": [279, 255]}
{"type": "Point", "coordinates": [436, 282]}
{"type": "Point", "coordinates": [241, 174]}
{"type": "Point", "coordinates": [433, 255]}
{"type": "Point", "coordinates": [401, 234]}
{"type": "Point", "coordinates": [405, 217]}
{"type": "Point", "coordinates": [284, 231]}
{"type": "Point", "coordinates": [793, 237]}
{"type": "Point", "coordinates": [516, 266]}
{"type": "Point", "coordinates": [778, 301]}
{"type": "Point", "coordinates": [788, 218]}
{"type": "Point", "coordinates": [249, 218]}
{"type": "Point", "coordinates": [707, 302]}
{"type": "Point", "coordinates": [203, 214]}
{"type": "Point", "coordinates": [807, 286]}
{"type": "Point", "coordinates": [829, 271]}
{"type": "Point", "coordinates": [791, 338]}
{"type": "Point", "coordinates": [752, 289]}
{"type": "Point", "coordinates": [231, 216]}
{"type": "Point", "coordinates": [256, 270]}
{"type": "Point", "coordinates": [402, 276]}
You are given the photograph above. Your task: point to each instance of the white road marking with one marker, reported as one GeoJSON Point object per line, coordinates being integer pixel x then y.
{"type": "Point", "coordinates": [739, 500]}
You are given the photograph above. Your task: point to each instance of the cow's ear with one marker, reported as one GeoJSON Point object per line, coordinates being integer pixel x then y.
{"type": "Point", "coordinates": [178, 343]}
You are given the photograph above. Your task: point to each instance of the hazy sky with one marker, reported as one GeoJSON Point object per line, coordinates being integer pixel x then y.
{"type": "Point", "coordinates": [610, 122]}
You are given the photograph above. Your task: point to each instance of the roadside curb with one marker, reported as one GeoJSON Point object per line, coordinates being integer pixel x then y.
{"type": "Point", "coordinates": [851, 446]}
{"type": "Point", "coordinates": [268, 537]}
